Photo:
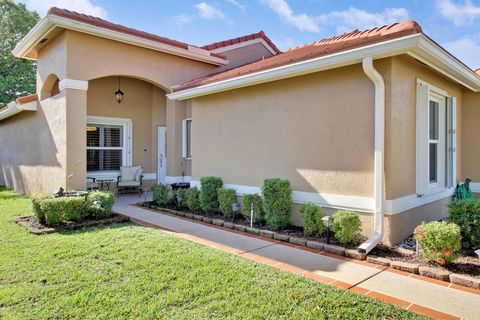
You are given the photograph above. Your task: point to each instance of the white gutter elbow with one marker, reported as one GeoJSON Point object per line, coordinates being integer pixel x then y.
{"type": "Point", "coordinates": [379, 176]}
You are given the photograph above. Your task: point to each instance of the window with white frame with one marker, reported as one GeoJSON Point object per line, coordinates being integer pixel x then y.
{"type": "Point", "coordinates": [108, 144]}
{"type": "Point", "coordinates": [436, 111]}
{"type": "Point", "coordinates": [187, 138]}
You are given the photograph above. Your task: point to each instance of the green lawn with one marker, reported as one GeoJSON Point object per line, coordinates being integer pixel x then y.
{"type": "Point", "coordinates": [128, 271]}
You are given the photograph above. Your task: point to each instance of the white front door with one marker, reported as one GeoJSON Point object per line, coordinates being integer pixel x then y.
{"type": "Point", "coordinates": [162, 154]}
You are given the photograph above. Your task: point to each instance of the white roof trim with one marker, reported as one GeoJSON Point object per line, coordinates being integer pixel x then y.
{"type": "Point", "coordinates": [417, 45]}
{"type": "Point", "coordinates": [13, 108]}
{"type": "Point", "coordinates": [244, 44]}
{"type": "Point", "coordinates": [49, 22]}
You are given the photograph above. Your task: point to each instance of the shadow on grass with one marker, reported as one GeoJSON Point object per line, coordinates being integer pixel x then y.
{"type": "Point", "coordinates": [6, 194]}
{"type": "Point", "coordinates": [97, 228]}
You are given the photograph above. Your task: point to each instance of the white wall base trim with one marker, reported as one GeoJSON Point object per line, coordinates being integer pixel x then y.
{"type": "Point", "coordinates": [177, 179]}
{"type": "Point", "coordinates": [73, 84]}
{"type": "Point", "coordinates": [475, 187]}
{"type": "Point", "coordinates": [356, 203]}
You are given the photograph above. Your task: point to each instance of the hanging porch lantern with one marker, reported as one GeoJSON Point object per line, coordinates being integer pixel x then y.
{"type": "Point", "coordinates": [119, 93]}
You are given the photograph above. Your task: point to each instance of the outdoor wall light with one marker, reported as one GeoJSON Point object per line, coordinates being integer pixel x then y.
{"type": "Point", "coordinates": [119, 93]}
{"type": "Point", "coordinates": [98, 205]}
{"type": "Point", "coordinates": [478, 253]}
{"type": "Point", "coordinates": [235, 209]}
{"type": "Point", "coordinates": [327, 222]}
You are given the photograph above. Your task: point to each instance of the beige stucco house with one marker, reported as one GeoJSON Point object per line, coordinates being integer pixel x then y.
{"type": "Point", "coordinates": [381, 121]}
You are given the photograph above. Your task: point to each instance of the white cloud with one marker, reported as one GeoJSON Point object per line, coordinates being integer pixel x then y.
{"type": "Point", "coordinates": [182, 19]}
{"type": "Point", "coordinates": [354, 18]}
{"type": "Point", "coordinates": [237, 4]}
{"type": "Point", "coordinates": [209, 12]}
{"type": "Point", "coordinates": [81, 6]}
{"type": "Point", "coordinates": [467, 50]}
{"type": "Point", "coordinates": [302, 21]}
{"type": "Point", "coordinates": [459, 14]}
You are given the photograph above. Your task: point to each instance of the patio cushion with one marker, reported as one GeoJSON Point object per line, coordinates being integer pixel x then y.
{"type": "Point", "coordinates": [128, 173]}
{"type": "Point", "coordinates": [131, 183]}
{"type": "Point", "coordinates": [138, 174]}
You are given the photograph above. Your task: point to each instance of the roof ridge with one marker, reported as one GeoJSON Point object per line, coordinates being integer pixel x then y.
{"type": "Point", "coordinates": [228, 42]}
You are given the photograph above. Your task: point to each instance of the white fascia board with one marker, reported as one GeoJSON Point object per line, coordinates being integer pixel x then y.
{"type": "Point", "coordinates": [244, 44]}
{"type": "Point", "coordinates": [336, 60]}
{"type": "Point", "coordinates": [51, 21]}
{"type": "Point", "coordinates": [13, 108]}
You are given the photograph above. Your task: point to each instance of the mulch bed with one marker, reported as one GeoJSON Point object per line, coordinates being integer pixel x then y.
{"type": "Point", "coordinates": [32, 224]}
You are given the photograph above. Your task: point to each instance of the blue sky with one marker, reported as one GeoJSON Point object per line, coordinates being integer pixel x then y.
{"type": "Point", "coordinates": [455, 24]}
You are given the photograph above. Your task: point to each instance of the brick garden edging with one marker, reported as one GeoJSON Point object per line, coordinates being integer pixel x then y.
{"type": "Point", "coordinates": [412, 268]}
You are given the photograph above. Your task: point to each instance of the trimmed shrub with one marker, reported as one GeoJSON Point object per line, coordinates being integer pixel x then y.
{"type": "Point", "coordinates": [162, 194]}
{"type": "Point", "coordinates": [37, 201]}
{"type": "Point", "coordinates": [256, 200]}
{"type": "Point", "coordinates": [277, 203]}
{"type": "Point", "coordinates": [312, 219]}
{"type": "Point", "coordinates": [225, 199]}
{"type": "Point", "coordinates": [347, 226]}
{"type": "Point", "coordinates": [180, 193]}
{"type": "Point", "coordinates": [51, 211]}
{"type": "Point", "coordinates": [107, 200]}
{"type": "Point", "coordinates": [466, 214]}
{"type": "Point", "coordinates": [209, 193]}
{"type": "Point", "coordinates": [192, 199]}
{"type": "Point", "coordinates": [439, 241]}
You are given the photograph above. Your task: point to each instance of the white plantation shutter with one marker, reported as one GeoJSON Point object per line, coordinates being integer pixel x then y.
{"type": "Point", "coordinates": [422, 179]}
{"type": "Point", "coordinates": [451, 142]}
{"type": "Point", "coordinates": [184, 139]}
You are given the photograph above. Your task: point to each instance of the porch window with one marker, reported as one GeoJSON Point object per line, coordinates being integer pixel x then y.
{"type": "Point", "coordinates": [187, 138]}
{"type": "Point", "coordinates": [105, 147]}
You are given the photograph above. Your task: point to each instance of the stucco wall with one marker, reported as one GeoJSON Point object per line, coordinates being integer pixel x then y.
{"type": "Point", "coordinates": [143, 103]}
{"type": "Point", "coordinates": [471, 136]}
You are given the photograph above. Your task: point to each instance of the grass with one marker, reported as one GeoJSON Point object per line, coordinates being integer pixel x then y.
{"type": "Point", "coordinates": [126, 271]}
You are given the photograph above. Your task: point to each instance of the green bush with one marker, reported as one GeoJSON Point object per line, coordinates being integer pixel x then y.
{"type": "Point", "coordinates": [257, 201]}
{"type": "Point", "coordinates": [209, 193]}
{"type": "Point", "coordinates": [347, 226]}
{"type": "Point", "coordinates": [51, 211]}
{"type": "Point", "coordinates": [312, 219]}
{"type": "Point", "coordinates": [277, 203]}
{"type": "Point", "coordinates": [466, 214]}
{"type": "Point", "coordinates": [180, 193]}
{"type": "Point", "coordinates": [162, 194]}
{"type": "Point", "coordinates": [439, 241]}
{"type": "Point", "coordinates": [225, 199]}
{"type": "Point", "coordinates": [192, 199]}
{"type": "Point", "coordinates": [107, 200]}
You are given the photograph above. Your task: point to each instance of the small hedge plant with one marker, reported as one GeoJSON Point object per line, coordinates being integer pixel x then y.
{"type": "Point", "coordinates": [347, 226]}
{"type": "Point", "coordinates": [192, 199]}
{"type": "Point", "coordinates": [312, 219]}
{"type": "Point", "coordinates": [162, 194]}
{"type": "Point", "coordinates": [106, 199]}
{"type": "Point", "coordinates": [466, 214]}
{"type": "Point", "coordinates": [225, 199]}
{"type": "Point", "coordinates": [52, 211]}
{"type": "Point", "coordinates": [256, 200]}
{"type": "Point", "coordinates": [277, 203]}
{"type": "Point", "coordinates": [209, 194]}
{"type": "Point", "coordinates": [180, 197]}
{"type": "Point", "coordinates": [439, 241]}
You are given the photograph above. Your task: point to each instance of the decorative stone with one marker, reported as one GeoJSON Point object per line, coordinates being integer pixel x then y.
{"type": "Point", "coordinates": [315, 245]}
{"type": "Point", "coordinates": [299, 241]}
{"type": "Point", "coordinates": [466, 281]}
{"type": "Point", "coordinates": [354, 254]}
{"type": "Point", "coordinates": [267, 233]}
{"type": "Point", "coordinates": [189, 215]}
{"type": "Point", "coordinates": [252, 230]}
{"type": "Point", "coordinates": [227, 224]}
{"type": "Point", "coordinates": [207, 220]}
{"type": "Point", "coordinates": [239, 227]}
{"type": "Point", "coordinates": [181, 214]}
{"type": "Point", "coordinates": [334, 249]}
{"type": "Point", "coordinates": [378, 260]}
{"type": "Point", "coordinates": [434, 273]}
{"type": "Point", "coordinates": [281, 236]}
{"type": "Point", "coordinates": [218, 222]}
{"type": "Point", "coordinates": [405, 266]}
{"type": "Point", "coordinates": [197, 217]}
{"type": "Point", "coordinates": [403, 251]}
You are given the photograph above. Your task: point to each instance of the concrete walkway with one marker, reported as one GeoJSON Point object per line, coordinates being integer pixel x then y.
{"type": "Point", "coordinates": [423, 295]}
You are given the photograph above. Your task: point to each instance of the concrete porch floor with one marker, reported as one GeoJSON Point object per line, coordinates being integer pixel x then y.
{"type": "Point", "coordinates": [427, 296]}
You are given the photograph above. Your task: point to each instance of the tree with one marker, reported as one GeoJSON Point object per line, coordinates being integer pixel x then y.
{"type": "Point", "coordinates": [17, 76]}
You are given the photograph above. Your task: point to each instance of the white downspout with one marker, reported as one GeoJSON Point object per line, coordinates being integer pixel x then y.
{"type": "Point", "coordinates": [379, 177]}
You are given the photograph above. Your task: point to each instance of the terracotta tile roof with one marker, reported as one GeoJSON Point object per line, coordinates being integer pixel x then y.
{"type": "Point", "coordinates": [343, 42]}
{"type": "Point", "coordinates": [253, 36]}
{"type": "Point", "coordinates": [98, 22]}
{"type": "Point", "coordinates": [27, 99]}
{"type": "Point", "coordinates": [477, 71]}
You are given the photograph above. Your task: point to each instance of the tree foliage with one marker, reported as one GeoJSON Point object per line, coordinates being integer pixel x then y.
{"type": "Point", "coordinates": [17, 76]}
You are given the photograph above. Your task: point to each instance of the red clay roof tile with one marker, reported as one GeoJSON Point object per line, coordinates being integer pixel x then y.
{"type": "Point", "coordinates": [26, 99]}
{"type": "Point", "coordinates": [229, 42]}
{"type": "Point", "coordinates": [343, 42]}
